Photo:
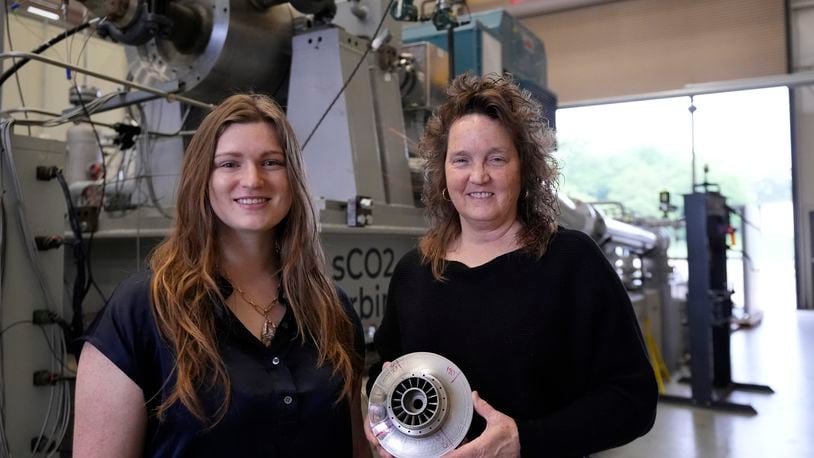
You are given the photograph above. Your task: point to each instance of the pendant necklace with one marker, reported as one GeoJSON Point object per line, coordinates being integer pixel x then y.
{"type": "Point", "coordinates": [269, 328]}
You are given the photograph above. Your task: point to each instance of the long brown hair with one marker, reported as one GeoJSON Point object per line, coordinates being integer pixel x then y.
{"type": "Point", "coordinates": [499, 98]}
{"type": "Point", "coordinates": [185, 266]}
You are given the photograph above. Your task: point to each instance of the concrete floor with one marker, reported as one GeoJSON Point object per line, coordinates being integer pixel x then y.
{"type": "Point", "coordinates": [776, 353]}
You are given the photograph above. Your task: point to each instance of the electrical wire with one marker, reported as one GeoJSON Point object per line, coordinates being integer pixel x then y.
{"type": "Point", "coordinates": [11, 48]}
{"type": "Point", "coordinates": [57, 418]}
{"type": "Point", "coordinates": [73, 115]}
{"type": "Point", "coordinates": [22, 220]}
{"type": "Point", "coordinates": [4, 448]}
{"type": "Point", "coordinates": [91, 282]}
{"type": "Point", "coordinates": [58, 415]}
{"type": "Point", "coordinates": [19, 63]}
{"type": "Point", "coordinates": [54, 403]}
{"type": "Point", "coordinates": [56, 433]}
{"type": "Point", "coordinates": [59, 397]}
{"type": "Point", "coordinates": [36, 446]}
{"type": "Point", "coordinates": [14, 325]}
{"type": "Point", "coordinates": [83, 111]}
{"type": "Point", "coordinates": [58, 119]}
{"type": "Point", "coordinates": [57, 351]}
{"type": "Point", "coordinates": [80, 258]}
{"type": "Point", "coordinates": [40, 122]}
{"type": "Point", "coordinates": [352, 74]}
{"type": "Point", "coordinates": [145, 165]}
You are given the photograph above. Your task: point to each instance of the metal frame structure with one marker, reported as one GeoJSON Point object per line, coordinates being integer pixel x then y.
{"type": "Point", "coordinates": [709, 307]}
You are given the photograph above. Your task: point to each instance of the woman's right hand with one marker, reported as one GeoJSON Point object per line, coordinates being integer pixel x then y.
{"type": "Point", "coordinates": [374, 442]}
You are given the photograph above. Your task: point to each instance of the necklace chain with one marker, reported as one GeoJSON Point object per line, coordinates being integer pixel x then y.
{"type": "Point", "coordinates": [263, 310]}
{"type": "Point", "coordinates": [269, 328]}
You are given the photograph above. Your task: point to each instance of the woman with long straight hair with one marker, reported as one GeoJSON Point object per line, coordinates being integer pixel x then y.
{"type": "Point", "coordinates": [235, 341]}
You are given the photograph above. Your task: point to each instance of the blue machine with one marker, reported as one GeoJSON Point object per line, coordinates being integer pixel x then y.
{"type": "Point", "coordinates": [494, 41]}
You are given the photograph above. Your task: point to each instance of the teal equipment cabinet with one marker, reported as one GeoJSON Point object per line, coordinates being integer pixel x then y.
{"type": "Point", "coordinates": [495, 42]}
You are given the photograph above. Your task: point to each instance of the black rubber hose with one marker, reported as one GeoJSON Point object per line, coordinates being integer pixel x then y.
{"type": "Point", "coordinates": [41, 48]}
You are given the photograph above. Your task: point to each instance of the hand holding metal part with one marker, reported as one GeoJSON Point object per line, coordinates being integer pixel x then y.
{"type": "Point", "coordinates": [499, 439]}
{"type": "Point", "coordinates": [420, 406]}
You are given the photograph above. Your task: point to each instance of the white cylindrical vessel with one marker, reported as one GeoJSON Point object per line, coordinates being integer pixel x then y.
{"type": "Point", "coordinates": [82, 152]}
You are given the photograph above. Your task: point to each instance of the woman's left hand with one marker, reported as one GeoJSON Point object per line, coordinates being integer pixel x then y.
{"type": "Point", "coordinates": [499, 439]}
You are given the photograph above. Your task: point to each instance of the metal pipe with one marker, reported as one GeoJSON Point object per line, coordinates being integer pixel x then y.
{"type": "Point", "coordinates": [167, 95]}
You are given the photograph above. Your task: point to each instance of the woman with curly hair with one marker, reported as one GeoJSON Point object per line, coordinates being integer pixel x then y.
{"type": "Point", "coordinates": [235, 343]}
{"type": "Point", "coordinates": [532, 313]}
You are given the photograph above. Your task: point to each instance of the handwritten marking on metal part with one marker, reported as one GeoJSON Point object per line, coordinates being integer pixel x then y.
{"type": "Point", "coordinates": [452, 373]}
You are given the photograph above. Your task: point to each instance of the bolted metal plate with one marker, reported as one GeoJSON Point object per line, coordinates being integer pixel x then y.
{"type": "Point", "coordinates": [420, 406]}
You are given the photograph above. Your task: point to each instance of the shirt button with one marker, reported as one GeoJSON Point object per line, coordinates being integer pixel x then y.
{"type": "Point", "coordinates": [275, 361]}
{"type": "Point", "coordinates": [287, 400]}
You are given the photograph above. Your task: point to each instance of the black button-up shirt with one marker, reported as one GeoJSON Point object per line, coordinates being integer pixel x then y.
{"type": "Point", "coordinates": [282, 404]}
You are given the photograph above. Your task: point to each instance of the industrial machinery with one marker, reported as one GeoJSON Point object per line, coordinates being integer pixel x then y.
{"type": "Point", "coordinates": [357, 99]}
{"type": "Point", "coordinates": [709, 304]}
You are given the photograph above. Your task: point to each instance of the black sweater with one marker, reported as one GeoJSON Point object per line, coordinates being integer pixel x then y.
{"type": "Point", "coordinates": [551, 342]}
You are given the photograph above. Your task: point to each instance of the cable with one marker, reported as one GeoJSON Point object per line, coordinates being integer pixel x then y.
{"type": "Point", "coordinates": [14, 325]}
{"type": "Point", "coordinates": [56, 401]}
{"type": "Point", "coordinates": [22, 221]}
{"type": "Point", "coordinates": [53, 426]}
{"type": "Point", "coordinates": [146, 152]}
{"type": "Point", "coordinates": [57, 356]}
{"type": "Point", "coordinates": [352, 73]}
{"type": "Point", "coordinates": [91, 281]}
{"type": "Point", "coordinates": [80, 113]}
{"type": "Point", "coordinates": [89, 263]}
{"type": "Point", "coordinates": [30, 246]}
{"type": "Point", "coordinates": [76, 114]}
{"type": "Point", "coordinates": [11, 48]}
{"type": "Point", "coordinates": [39, 49]}
{"type": "Point", "coordinates": [41, 435]}
{"type": "Point", "coordinates": [80, 260]}
{"type": "Point", "coordinates": [4, 448]}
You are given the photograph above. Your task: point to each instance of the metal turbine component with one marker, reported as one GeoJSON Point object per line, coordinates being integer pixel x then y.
{"type": "Point", "coordinates": [218, 47]}
{"type": "Point", "coordinates": [420, 406]}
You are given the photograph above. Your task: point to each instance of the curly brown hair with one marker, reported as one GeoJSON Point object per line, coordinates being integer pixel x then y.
{"type": "Point", "coordinates": [499, 98]}
{"type": "Point", "coordinates": [186, 264]}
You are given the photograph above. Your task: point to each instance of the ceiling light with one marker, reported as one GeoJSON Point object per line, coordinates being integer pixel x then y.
{"type": "Point", "coordinates": [44, 13]}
